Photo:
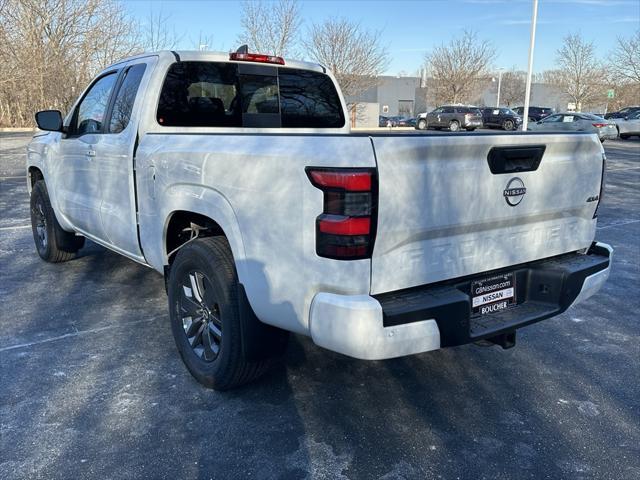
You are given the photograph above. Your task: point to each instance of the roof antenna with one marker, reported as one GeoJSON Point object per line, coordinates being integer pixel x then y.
{"type": "Point", "coordinates": [243, 49]}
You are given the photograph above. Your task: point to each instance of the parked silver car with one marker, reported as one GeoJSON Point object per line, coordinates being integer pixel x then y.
{"type": "Point", "coordinates": [577, 122]}
{"type": "Point", "coordinates": [628, 126]}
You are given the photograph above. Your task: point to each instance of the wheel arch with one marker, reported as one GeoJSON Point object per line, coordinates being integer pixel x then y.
{"type": "Point", "coordinates": [206, 209]}
{"type": "Point", "coordinates": [179, 224]}
{"type": "Point", "coordinates": [33, 175]}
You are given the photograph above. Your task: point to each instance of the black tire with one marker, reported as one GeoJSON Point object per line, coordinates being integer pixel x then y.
{"type": "Point", "coordinates": [52, 242]}
{"type": "Point", "coordinates": [508, 125]}
{"type": "Point", "coordinates": [422, 124]}
{"type": "Point", "coordinates": [454, 126]}
{"type": "Point", "coordinates": [207, 331]}
{"type": "Point", "coordinates": [624, 136]}
{"type": "Point", "coordinates": [470, 129]}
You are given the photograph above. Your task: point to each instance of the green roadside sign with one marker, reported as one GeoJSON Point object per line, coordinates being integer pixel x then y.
{"type": "Point", "coordinates": [611, 93]}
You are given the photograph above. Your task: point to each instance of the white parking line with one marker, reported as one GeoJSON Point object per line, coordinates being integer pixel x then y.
{"type": "Point", "coordinates": [17, 227]}
{"type": "Point", "coordinates": [620, 224]}
{"type": "Point", "coordinates": [74, 334]}
{"type": "Point", "coordinates": [21, 177]}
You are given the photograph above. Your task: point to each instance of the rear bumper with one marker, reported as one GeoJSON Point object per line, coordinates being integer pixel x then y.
{"type": "Point", "coordinates": [427, 318]}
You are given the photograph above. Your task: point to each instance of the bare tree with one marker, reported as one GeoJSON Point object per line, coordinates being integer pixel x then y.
{"type": "Point", "coordinates": [625, 59]}
{"type": "Point", "coordinates": [156, 34]}
{"type": "Point", "coordinates": [51, 48]}
{"type": "Point", "coordinates": [270, 27]}
{"type": "Point", "coordinates": [579, 73]}
{"type": "Point", "coordinates": [459, 67]}
{"type": "Point", "coordinates": [203, 43]}
{"type": "Point", "coordinates": [512, 90]}
{"type": "Point", "coordinates": [354, 55]}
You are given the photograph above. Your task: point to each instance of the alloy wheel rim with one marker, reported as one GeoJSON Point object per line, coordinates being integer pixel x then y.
{"type": "Point", "coordinates": [453, 127]}
{"type": "Point", "coordinates": [200, 315]}
{"type": "Point", "coordinates": [508, 125]}
{"type": "Point", "coordinates": [40, 224]}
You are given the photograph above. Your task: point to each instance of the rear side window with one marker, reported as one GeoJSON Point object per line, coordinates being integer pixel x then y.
{"type": "Point", "coordinates": [210, 94]}
{"type": "Point", "coordinates": [125, 97]}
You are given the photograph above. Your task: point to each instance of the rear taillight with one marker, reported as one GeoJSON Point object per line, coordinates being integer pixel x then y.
{"type": "Point", "coordinates": [599, 125]}
{"type": "Point", "coordinates": [602, 180]}
{"type": "Point", "coordinates": [346, 228]}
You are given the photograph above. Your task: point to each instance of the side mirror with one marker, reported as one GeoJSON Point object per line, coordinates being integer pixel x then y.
{"type": "Point", "coordinates": [49, 120]}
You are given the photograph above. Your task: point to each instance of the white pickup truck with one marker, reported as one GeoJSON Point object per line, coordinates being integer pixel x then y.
{"type": "Point", "coordinates": [237, 177]}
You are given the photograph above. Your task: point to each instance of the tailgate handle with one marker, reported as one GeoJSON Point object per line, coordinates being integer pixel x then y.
{"type": "Point", "coordinates": [515, 159]}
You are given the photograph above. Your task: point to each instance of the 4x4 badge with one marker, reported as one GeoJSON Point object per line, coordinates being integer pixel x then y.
{"type": "Point", "coordinates": [514, 193]}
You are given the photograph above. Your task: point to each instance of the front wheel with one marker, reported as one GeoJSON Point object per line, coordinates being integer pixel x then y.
{"type": "Point", "coordinates": [422, 124]}
{"type": "Point", "coordinates": [52, 242]}
{"type": "Point", "coordinates": [471, 129]}
{"type": "Point", "coordinates": [454, 125]}
{"type": "Point", "coordinates": [624, 136]}
{"type": "Point", "coordinates": [508, 125]}
{"type": "Point", "coordinates": [205, 315]}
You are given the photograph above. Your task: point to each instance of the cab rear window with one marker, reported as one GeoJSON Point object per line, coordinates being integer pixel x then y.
{"type": "Point", "coordinates": [218, 94]}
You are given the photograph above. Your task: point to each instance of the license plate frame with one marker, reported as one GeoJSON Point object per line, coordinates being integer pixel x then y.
{"type": "Point", "coordinates": [493, 294]}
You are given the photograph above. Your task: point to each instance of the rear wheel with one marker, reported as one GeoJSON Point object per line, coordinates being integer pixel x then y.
{"type": "Point", "coordinates": [471, 129]}
{"type": "Point", "coordinates": [52, 242]}
{"type": "Point", "coordinates": [422, 124]}
{"type": "Point", "coordinates": [205, 315]}
{"type": "Point", "coordinates": [508, 125]}
{"type": "Point", "coordinates": [454, 126]}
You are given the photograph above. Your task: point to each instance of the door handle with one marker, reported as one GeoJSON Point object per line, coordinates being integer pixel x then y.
{"type": "Point", "coordinates": [152, 181]}
{"type": "Point", "coordinates": [91, 153]}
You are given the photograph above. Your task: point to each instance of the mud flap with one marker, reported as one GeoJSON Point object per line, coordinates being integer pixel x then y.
{"type": "Point", "coordinates": [259, 340]}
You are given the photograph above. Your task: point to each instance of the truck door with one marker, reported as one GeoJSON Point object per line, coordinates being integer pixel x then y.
{"type": "Point", "coordinates": [77, 180]}
{"type": "Point", "coordinates": [118, 210]}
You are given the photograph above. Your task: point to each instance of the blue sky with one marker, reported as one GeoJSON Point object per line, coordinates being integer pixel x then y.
{"type": "Point", "coordinates": [411, 28]}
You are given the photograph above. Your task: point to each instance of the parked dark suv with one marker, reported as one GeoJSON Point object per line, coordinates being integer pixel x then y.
{"type": "Point", "coordinates": [504, 118]}
{"type": "Point", "coordinates": [535, 113]}
{"type": "Point", "coordinates": [452, 117]}
{"type": "Point", "coordinates": [625, 112]}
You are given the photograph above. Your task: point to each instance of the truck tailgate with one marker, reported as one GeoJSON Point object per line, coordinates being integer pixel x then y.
{"type": "Point", "coordinates": [444, 214]}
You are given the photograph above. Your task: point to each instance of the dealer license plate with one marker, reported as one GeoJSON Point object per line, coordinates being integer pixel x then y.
{"type": "Point", "coordinates": [493, 294]}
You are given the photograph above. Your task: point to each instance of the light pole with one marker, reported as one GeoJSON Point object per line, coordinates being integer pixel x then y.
{"type": "Point", "coordinates": [499, 85]}
{"type": "Point", "coordinates": [534, 19]}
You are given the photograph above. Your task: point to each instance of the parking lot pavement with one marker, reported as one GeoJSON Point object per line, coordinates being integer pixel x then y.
{"type": "Point", "coordinates": [91, 384]}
